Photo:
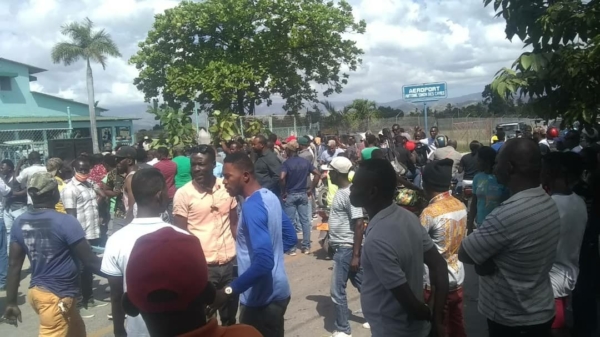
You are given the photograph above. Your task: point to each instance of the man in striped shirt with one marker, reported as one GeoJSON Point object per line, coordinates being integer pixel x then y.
{"type": "Point", "coordinates": [515, 247]}
{"type": "Point", "coordinates": [346, 227]}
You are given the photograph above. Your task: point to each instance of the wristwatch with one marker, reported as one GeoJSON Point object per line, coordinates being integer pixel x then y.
{"type": "Point", "coordinates": [228, 290]}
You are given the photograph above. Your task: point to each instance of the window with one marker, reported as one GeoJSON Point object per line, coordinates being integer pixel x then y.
{"type": "Point", "coordinates": [5, 84]}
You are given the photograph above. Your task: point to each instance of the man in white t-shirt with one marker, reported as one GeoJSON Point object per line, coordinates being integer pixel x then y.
{"type": "Point", "coordinates": [35, 165]}
{"type": "Point", "coordinates": [560, 172]}
{"type": "Point", "coordinates": [149, 189]}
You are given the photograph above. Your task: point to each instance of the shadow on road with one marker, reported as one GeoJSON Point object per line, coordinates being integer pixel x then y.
{"type": "Point", "coordinates": [326, 310]}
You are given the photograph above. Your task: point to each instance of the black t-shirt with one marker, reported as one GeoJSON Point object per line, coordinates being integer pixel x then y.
{"type": "Point", "coordinates": [469, 165]}
{"type": "Point", "coordinates": [403, 156]}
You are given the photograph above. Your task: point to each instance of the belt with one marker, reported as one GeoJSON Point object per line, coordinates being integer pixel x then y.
{"type": "Point", "coordinates": [217, 264]}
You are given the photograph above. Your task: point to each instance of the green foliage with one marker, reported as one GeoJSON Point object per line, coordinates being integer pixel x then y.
{"type": "Point", "coordinates": [225, 127]}
{"type": "Point", "coordinates": [236, 54]}
{"type": "Point", "coordinates": [176, 126]}
{"type": "Point", "coordinates": [561, 74]}
{"type": "Point", "coordinates": [355, 116]}
{"type": "Point", "coordinates": [86, 44]}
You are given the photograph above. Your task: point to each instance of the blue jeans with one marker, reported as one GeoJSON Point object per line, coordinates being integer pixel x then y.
{"type": "Point", "coordinates": [416, 177]}
{"type": "Point", "coordinates": [297, 222]}
{"type": "Point", "coordinates": [339, 280]}
{"type": "Point", "coordinates": [9, 219]}
{"type": "Point", "coordinates": [3, 255]}
{"type": "Point", "coordinates": [297, 204]}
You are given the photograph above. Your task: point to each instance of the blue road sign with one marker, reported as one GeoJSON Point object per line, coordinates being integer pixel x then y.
{"type": "Point", "coordinates": [424, 92]}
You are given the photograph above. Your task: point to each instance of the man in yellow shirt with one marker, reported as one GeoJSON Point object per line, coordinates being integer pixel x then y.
{"type": "Point", "coordinates": [53, 166]}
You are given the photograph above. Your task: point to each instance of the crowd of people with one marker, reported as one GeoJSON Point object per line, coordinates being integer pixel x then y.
{"type": "Point", "coordinates": [228, 219]}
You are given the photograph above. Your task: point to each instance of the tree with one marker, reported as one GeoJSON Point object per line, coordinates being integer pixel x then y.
{"type": "Point", "coordinates": [561, 73]}
{"type": "Point", "coordinates": [176, 126]}
{"type": "Point", "coordinates": [89, 45]}
{"type": "Point", "coordinates": [236, 54]}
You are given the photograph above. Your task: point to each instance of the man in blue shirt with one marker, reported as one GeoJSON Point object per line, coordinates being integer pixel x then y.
{"type": "Point", "coordinates": [262, 283]}
{"type": "Point", "coordinates": [501, 138]}
{"type": "Point", "coordinates": [294, 173]}
{"type": "Point", "coordinates": [53, 242]}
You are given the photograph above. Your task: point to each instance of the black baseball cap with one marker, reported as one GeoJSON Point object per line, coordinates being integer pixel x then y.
{"type": "Point", "coordinates": [126, 152]}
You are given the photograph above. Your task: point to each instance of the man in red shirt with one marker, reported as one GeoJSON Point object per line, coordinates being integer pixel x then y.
{"type": "Point", "coordinates": [168, 168]}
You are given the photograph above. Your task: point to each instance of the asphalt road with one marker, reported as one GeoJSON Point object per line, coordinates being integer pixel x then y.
{"type": "Point", "coordinates": [310, 313]}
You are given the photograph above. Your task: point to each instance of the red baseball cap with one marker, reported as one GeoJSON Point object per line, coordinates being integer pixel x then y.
{"type": "Point", "coordinates": [166, 261]}
{"type": "Point", "coordinates": [290, 138]}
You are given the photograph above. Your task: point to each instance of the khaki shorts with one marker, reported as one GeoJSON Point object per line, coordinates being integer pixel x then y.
{"type": "Point", "coordinates": [59, 317]}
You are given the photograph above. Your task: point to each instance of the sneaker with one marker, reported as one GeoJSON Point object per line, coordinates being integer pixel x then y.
{"type": "Point", "coordinates": [367, 325]}
{"type": "Point", "coordinates": [340, 334]}
{"type": "Point", "coordinates": [85, 313]}
{"type": "Point", "coordinates": [291, 253]}
{"type": "Point", "coordinates": [96, 304]}
{"type": "Point", "coordinates": [306, 251]}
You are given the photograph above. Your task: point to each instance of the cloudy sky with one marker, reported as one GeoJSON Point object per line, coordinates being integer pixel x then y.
{"type": "Point", "coordinates": [457, 41]}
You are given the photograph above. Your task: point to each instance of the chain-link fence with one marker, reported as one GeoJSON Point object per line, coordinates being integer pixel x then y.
{"type": "Point", "coordinates": [281, 125]}
{"type": "Point", "coordinates": [17, 144]}
{"type": "Point", "coordinates": [463, 130]}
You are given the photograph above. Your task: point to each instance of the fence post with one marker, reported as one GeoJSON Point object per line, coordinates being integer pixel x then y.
{"type": "Point", "coordinates": [70, 135]}
{"type": "Point", "coordinates": [271, 123]}
{"type": "Point", "coordinates": [295, 131]}
{"type": "Point", "coordinates": [242, 126]}
{"type": "Point", "coordinates": [45, 138]}
{"type": "Point", "coordinates": [113, 132]}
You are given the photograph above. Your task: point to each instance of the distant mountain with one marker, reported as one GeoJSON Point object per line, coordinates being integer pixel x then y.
{"type": "Point", "coordinates": [459, 102]}
{"type": "Point", "coordinates": [146, 121]}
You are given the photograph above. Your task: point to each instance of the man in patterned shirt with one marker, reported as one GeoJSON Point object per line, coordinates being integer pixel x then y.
{"type": "Point", "coordinates": [80, 200]}
{"type": "Point", "coordinates": [445, 220]}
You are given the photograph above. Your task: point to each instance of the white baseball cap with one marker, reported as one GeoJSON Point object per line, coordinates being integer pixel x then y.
{"type": "Point", "coordinates": [341, 164]}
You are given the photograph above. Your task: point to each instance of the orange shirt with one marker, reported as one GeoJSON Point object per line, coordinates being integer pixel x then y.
{"type": "Point", "coordinates": [208, 219]}
{"type": "Point", "coordinates": [212, 329]}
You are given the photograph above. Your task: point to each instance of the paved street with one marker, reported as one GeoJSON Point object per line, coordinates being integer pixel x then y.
{"type": "Point", "coordinates": [310, 313]}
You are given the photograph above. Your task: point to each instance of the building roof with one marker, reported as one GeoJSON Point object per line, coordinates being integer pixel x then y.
{"type": "Point", "coordinates": [55, 119]}
{"type": "Point", "coordinates": [98, 109]}
{"type": "Point", "coordinates": [32, 69]}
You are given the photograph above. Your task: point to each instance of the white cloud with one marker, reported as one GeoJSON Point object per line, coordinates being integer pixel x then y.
{"type": "Point", "coordinates": [407, 41]}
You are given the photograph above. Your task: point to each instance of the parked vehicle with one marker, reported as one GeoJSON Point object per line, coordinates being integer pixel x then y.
{"type": "Point", "coordinates": [16, 150]}
{"type": "Point", "coordinates": [511, 129]}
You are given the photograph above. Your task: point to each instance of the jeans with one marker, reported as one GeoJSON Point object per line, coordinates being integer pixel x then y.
{"type": "Point", "coordinates": [221, 276]}
{"type": "Point", "coordinates": [416, 177]}
{"type": "Point", "coordinates": [9, 219]}
{"type": "Point", "coordinates": [87, 281]}
{"type": "Point", "coordinates": [3, 255]}
{"type": "Point", "coordinates": [268, 319]}
{"type": "Point", "coordinates": [297, 220]}
{"type": "Point", "coordinates": [297, 203]}
{"type": "Point", "coordinates": [539, 330]}
{"type": "Point", "coordinates": [453, 313]}
{"type": "Point", "coordinates": [339, 280]}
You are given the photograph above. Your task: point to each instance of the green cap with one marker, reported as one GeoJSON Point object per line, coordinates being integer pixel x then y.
{"type": "Point", "coordinates": [41, 183]}
{"type": "Point", "coordinates": [303, 141]}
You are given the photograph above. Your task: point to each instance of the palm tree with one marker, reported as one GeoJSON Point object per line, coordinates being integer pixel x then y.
{"type": "Point", "coordinates": [89, 45]}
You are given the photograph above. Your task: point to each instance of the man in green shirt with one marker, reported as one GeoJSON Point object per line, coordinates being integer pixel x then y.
{"type": "Point", "coordinates": [184, 167]}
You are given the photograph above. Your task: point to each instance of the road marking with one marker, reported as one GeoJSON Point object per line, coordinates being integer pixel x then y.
{"type": "Point", "coordinates": [102, 331]}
